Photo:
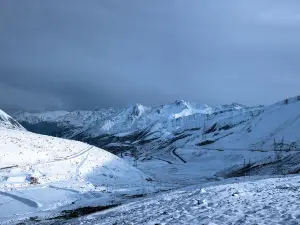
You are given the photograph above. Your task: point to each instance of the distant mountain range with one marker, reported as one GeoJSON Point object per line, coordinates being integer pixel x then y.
{"type": "Point", "coordinates": [143, 129]}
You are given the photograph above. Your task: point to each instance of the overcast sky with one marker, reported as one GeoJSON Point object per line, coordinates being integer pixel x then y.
{"type": "Point", "coordinates": [81, 54]}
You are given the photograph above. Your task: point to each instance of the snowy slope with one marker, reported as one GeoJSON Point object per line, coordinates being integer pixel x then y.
{"type": "Point", "coordinates": [175, 138]}
{"type": "Point", "coordinates": [7, 121]}
{"type": "Point", "coordinates": [25, 149]}
{"type": "Point", "coordinates": [40, 173]}
{"type": "Point", "coordinates": [270, 201]}
{"type": "Point", "coordinates": [278, 122]}
{"type": "Point", "coordinates": [229, 141]}
{"type": "Point", "coordinates": [237, 201]}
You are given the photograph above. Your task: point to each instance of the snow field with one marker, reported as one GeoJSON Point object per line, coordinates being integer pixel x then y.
{"type": "Point", "coordinates": [266, 201]}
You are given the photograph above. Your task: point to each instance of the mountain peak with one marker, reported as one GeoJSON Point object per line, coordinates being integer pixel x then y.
{"type": "Point", "coordinates": [7, 121]}
{"type": "Point", "coordinates": [138, 109]}
{"type": "Point", "coordinates": [180, 102]}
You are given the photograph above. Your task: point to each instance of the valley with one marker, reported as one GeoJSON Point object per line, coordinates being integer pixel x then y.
{"type": "Point", "coordinates": [181, 146]}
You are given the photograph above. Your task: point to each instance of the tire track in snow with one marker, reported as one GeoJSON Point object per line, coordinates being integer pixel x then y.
{"type": "Point", "coordinates": [52, 161]}
{"type": "Point", "coordinates": [174, 154]}
{"type": "Point", "coordinates": [81, 163]}
{"type": "Point", "coordinates": [75, 155]}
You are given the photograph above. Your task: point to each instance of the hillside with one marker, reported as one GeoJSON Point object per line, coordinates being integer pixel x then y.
{"type": "Point", "coordinates": [187, 142]}
{"type": "Point", "coordinates": [266, 201]}
{"type": "Point", "coordinates": [7, 121]}
{"type": "Point", "coordinates": [129, 127]}
{"type": "Point", "coordinates": [176, 145]}
{"type": "Point", "coordinates": [40, 173]}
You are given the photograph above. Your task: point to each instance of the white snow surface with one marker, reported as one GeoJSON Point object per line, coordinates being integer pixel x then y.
{"type": "Point", "coordinates": [7, 121]}
{"type": "Point", "coordinates": [66, 172]}
{"type": "Point", "coordinates": [237, 201]}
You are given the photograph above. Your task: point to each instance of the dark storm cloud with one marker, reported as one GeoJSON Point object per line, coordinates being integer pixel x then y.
{"type": "Point", "coordinates": [78, 54]}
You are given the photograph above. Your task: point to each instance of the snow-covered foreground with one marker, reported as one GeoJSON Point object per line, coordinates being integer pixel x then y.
{"type": "Point", "coordinates": [41, 173]}
{"type": "Point", "coordinates": [265, 201]}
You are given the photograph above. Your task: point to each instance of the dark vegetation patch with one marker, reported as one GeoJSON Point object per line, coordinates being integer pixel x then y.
{"type": "Point", "coordinates": [216, 134]}
{"type": "Point", "coordinates": [102, 140]}
{"type": "Point", "coordinates": [83, 211]}
{"type": "Point", "coordinates": [143, 142]}
{"type": "Point", "coordinates": [206, 142]}
{"type": "Point", "coordinates": [57, 129]}
{"type": "Point", "coordinates": [30, 220]}
{"type": "Point", "coordinates": [35, 219]}
{"type": "Point", "coordinates": [279, 166]}
{"type": "Point", "coordinates": [227, 127]}
{"type": "Point", "coordinates": [194, 129]}
{"type": "Point", "coordinates": [212, 129]}
{"type": "Point", "coordinates": [46, 128]}
{"type": "Point", "coordinates": [118, 149]}
{"type": "Point", "coordinates": [178, 137]}
{"type": "Point", "coordinates": [239, 172]}
{"type": "Point", "coordinates": [135, 196]}
{"type": "Point", "coordinates": [215, 127]}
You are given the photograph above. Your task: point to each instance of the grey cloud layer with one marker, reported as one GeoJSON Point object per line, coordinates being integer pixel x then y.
{"type": "Point", "coordinates": [71, 54]}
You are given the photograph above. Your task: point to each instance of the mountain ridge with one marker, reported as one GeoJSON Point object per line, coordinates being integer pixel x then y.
{"type": "Point", "coordinates": [153, 128]}
{"type": "Point", "coordinates": [7, 121]}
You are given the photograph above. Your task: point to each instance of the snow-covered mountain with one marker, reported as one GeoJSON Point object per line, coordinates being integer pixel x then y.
{"type": "Point", "coordinates": [175, 145]}
{"type": "Point", "coordinates": [40, 173]}
{"type": "Point", "coordinates": [110, 121]}
{"type": "Point", "coordinates": [182, 132]}
{"type": "Point", "coordinates": [135, 123]}
{"type": "Point", "coordinates": [7, 121]}
{"type": "Point", "coordinates": [139, 124]}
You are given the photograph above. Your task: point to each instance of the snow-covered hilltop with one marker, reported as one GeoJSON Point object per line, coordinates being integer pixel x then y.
{"type": "Point", "coordinates": [7, 121]}
{"type": "Point", "coordinates": [40, 173]}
